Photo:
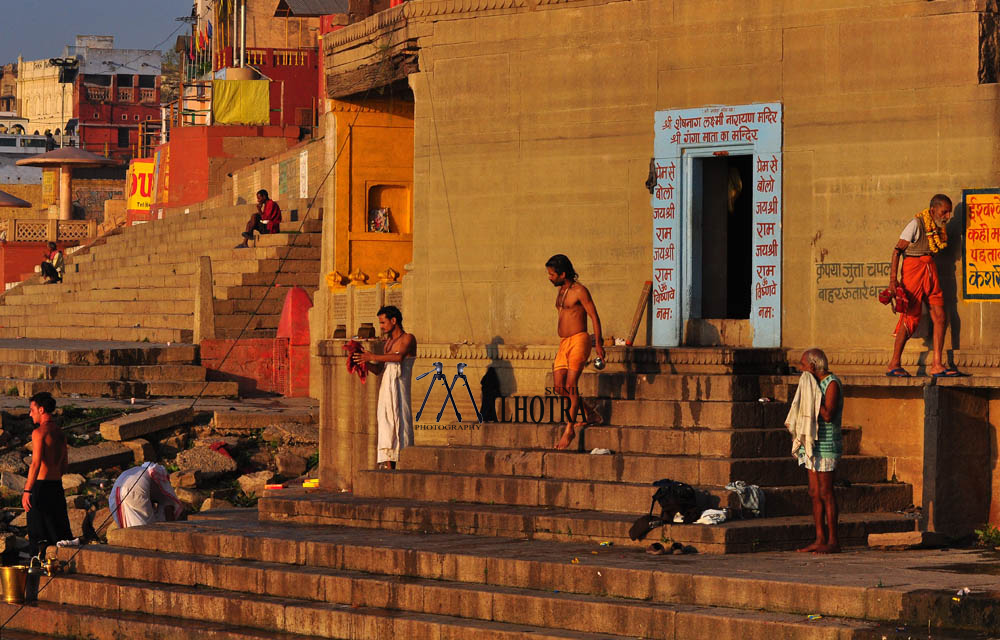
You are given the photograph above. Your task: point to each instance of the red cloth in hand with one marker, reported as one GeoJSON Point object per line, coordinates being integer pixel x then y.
{"type": "Point", "coordinates": [360, 368]}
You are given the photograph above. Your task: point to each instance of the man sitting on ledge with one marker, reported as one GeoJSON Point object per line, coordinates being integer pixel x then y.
{"type": "Point", "coordinates": [267, 219]}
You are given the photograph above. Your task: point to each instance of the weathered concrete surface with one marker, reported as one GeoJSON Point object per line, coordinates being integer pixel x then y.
{"type": "Point", "coordinates": [99, 456]}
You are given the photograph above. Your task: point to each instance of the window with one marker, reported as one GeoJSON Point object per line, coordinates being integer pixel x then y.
{"type": "Point", "coordinates": [137, 117]}
{"type": "Point", "coordinates": [124, 116]}
{"type": "Point", "coordinates": [97, 80]}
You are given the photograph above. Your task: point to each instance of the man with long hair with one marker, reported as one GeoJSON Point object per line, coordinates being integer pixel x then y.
{"type": "Point", "coordinates": [574, 304]}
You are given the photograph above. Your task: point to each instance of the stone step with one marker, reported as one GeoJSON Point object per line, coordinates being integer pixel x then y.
{"type": "Point", "coordinates": [62, 293]}
{"type": "Point", "coordinates": [98, 333]}
{"type": "Point", "coordinates": [562, 525]}
{"type": "Point", "coordinates": [735, 443]}
{"type": "Point", "coordinates": [683, 413]}
{"type": "Point", "coordinates": [119, 306]}
{"type": "Point", "coordinates": [97, 353]}
{"type": "Point", "coordinates": [285, 614]}
{"type": "Point", "coordinates": [695, 360]}
{"type": "Point", "coordinates": [142, 373]}
{"type": "Point", "coordinates": [121, 388]}
{"type": "Point", "coordinates": [247, 292]}
{"type": "Point", "coordinates": [785, 583]}
{"type": "Point", "coordinates": [97, 276]}
{"type": "Point", "coordinates": [629, 386]}
{"type": "Point", "coordinates": [611, 497]}
{"type": "Point", "coordinates": [167, 229]}
{"type": "Point", "coordinates": [223, 272]}
{"type": "Point", "coordinates": [110, 260]}
{"type": "Point", "coordinates": [70, 622]}
{"type": "Point", "coordinates": [109, 319]}
{"type": "Point", "coordinates": [162, 243]}
{"type": "Point", "coordinates": [631, 468]}
{"type": "Point", "coordinates": [489, 608]}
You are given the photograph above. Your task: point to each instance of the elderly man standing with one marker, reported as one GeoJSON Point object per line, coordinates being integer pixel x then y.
{"type": "Point", "coordinates": [814, 420]}
{"type": "Point", "coordinates": [924, 236]}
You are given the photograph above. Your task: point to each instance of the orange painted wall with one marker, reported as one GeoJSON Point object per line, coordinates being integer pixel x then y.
{"type": "Point", "coordinates": [375, 169]}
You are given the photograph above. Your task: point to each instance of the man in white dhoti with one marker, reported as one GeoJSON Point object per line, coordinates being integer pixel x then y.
{"type": "Point", "coordinates": [143, 495]}
{"type": "Point", "coordinates": [395, 418]}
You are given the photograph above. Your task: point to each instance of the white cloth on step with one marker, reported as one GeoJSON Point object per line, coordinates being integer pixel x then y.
{"type": "Point", "coordinates": [803, 415]}
{"type": "Point", "coordinates": [395, 418]}
{"type": "Point", "coordinates": [712, 516]}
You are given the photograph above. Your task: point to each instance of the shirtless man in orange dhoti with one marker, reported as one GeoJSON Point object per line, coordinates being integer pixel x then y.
{"type": "Point", "coordinates": [923, 236]}
{"type": "Point", "coordinates": [574, 305]}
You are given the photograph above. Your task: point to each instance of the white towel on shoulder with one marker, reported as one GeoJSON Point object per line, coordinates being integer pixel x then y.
{"type": "Point", "coordinates": [803, 416]}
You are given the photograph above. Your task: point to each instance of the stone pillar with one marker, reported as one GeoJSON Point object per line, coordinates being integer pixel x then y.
{"type": "Point", "coordinates": [65, 195]}
{"type": "Point", "coordinates": [347, 424]}
{"type": "Point", "coordinates": [204, 301]}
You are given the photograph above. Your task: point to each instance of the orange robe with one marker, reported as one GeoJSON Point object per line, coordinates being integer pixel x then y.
{"type": "Point", "coordinates": [920, 280]}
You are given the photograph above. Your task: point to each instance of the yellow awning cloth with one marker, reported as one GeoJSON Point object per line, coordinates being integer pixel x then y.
{"type": "Point", "coordinates": [241, 102]}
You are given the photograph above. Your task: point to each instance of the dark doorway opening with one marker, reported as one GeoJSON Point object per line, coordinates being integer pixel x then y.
{"type": "Point", "coordinates": [726, 235]}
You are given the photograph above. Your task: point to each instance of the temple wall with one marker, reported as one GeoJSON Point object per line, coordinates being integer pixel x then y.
{"type": "Point", "coordinates": [534, 130]}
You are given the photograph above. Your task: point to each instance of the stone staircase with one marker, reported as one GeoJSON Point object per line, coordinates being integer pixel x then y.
{"type": "Point", "coordinates": [104, 369]}
{"type": "Point", "coordinates": [231, 577]}
{"type": "Point", "coordinates": [705, 429]}
{"type": "Point", "coordinates": [140, 284]}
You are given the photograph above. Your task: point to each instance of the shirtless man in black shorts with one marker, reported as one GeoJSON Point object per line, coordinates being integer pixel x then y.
{"type": "Point", "coordinates": [43, 497]}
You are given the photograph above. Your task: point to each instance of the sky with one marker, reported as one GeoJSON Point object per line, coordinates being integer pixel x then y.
{"type": "Point", "coordinates": [40, 29]}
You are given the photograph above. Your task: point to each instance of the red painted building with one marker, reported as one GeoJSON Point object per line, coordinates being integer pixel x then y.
{"type": "Point", "coordinates": [115, 91]}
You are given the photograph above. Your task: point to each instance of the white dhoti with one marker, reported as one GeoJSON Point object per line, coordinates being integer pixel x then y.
{"type": "Point", "coordinates": [395, 418]}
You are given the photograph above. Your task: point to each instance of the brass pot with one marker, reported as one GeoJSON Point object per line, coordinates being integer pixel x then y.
{"type": "Point", "coordinates": [14, 580]}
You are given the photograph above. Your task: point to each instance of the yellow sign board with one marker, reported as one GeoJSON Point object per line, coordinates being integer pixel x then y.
{"type": "Point", "coordinates": [50, 179]}
{"type": "Point", "coordinates": [981, 266]}
{"type": "Point", "coordinates": [140, 185]}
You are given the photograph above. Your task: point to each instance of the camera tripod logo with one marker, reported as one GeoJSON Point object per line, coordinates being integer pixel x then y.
{"type": "Point", "coordinates": [438, 372]}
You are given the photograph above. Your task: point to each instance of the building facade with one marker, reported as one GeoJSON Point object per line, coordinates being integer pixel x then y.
{"type": "Point", "coordinates": [46, 103]}
{"type": "Point", "coordinates": [115, 92]}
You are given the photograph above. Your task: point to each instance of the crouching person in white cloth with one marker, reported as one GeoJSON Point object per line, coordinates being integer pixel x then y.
{"type": "Point", "coordinates": [143, 495]}
{"type": "Point", "coordinates": [395, 417]}
{"type": "Point", "coordinates": [814, 421]}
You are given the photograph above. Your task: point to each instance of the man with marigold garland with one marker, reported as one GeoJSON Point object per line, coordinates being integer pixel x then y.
{"type": "Point", "coordinates": [923, 237]}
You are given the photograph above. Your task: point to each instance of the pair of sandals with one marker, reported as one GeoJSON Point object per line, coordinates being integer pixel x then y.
{"type": "Point", "coordinates": [657, 549]}
{"type": "Point", "coordinates": [951, 372]}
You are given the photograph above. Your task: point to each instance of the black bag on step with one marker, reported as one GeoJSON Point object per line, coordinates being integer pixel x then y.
{"type": "Point", "coordinates": [675, 497]}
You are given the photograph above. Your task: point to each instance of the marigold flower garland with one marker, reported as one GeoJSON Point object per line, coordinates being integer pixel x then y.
{"type": "Point", "coordinates": [937, 237]}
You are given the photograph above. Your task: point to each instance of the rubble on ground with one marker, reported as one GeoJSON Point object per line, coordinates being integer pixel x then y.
{"type": "Point", "coordinates": [213, 463]}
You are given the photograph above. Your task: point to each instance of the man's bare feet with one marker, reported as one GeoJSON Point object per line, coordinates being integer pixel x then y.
{"type": "Point", "coordinates": [827, 548]}
{"type": "Point", "coordinates": [567, 437]}
{"type": "Point", "coordinates": [813, 547]}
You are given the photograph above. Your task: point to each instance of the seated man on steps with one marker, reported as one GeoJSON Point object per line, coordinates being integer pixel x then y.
{"type": "Point", "coordinates": [267, 219]}
{"type": "Point", "coordinates": [54, 265]}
